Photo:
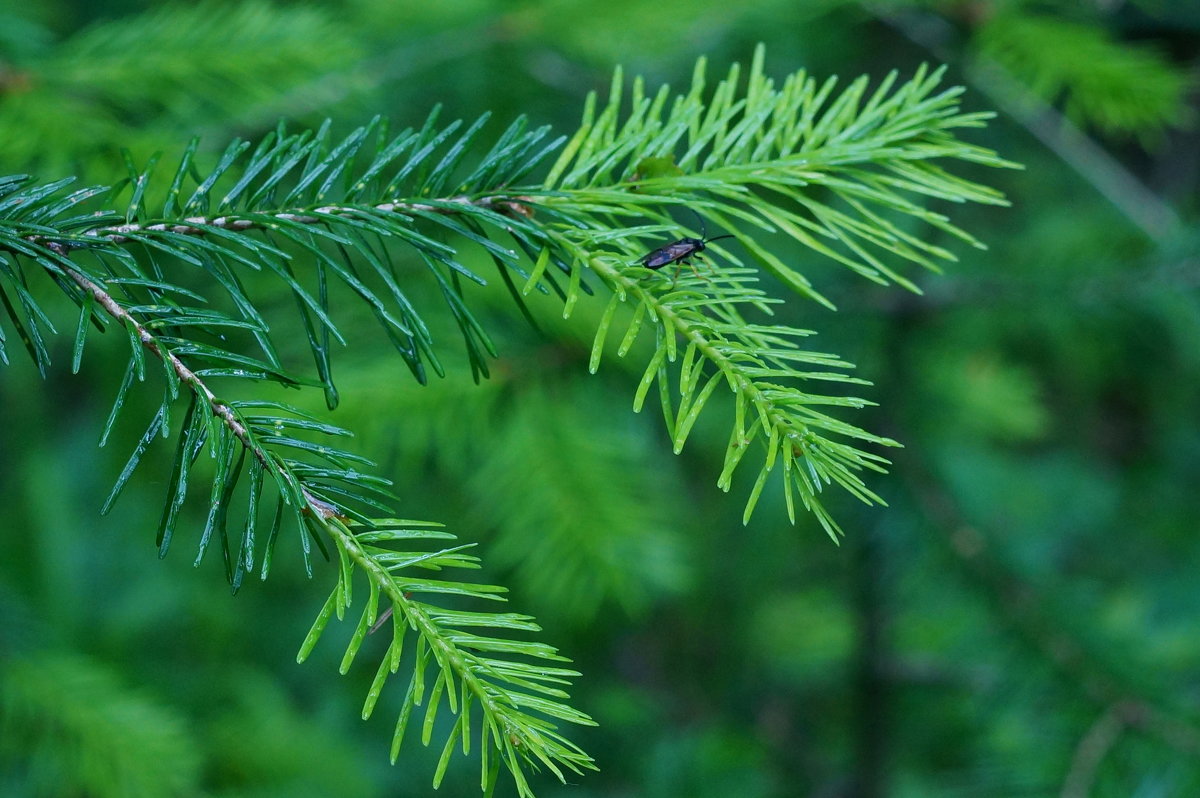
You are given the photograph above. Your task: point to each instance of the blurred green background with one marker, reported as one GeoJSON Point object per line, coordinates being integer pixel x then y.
{"type": "Point", "coordinates": [1023, 619]}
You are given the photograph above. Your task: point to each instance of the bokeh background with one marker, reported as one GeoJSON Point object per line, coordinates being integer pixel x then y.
{"type": "Point", "coordinates": [1022, 619]}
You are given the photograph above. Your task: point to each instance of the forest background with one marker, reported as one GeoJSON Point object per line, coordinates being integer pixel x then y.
{"type": "Point", "coordinates": [1019, 620]}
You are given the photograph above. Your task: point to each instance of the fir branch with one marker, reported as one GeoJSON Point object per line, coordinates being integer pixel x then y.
{"type": "Point", "coordinates": [847, 177]}
{"type": "Point", "coordinates": [765, 158]}
{"type": "Point", "coordinates": [505, 689]}
{"type": "Point", "coordinates": [754, 158]}
{"type": "Point", "coordinates": [761, 157]}
{"type": "Point", "coordinates": [514, 696]}
{"type": "Point", "coordinates": [760, 366]}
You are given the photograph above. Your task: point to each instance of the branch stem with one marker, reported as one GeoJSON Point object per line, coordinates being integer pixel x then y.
{"type": "Point", "coordinates": [201, 225]}
{"type": "Point", "coordinates": [411, 611]}
{"type": "Point", "coordinates": [227, 415]}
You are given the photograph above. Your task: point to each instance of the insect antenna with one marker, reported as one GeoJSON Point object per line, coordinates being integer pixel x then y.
{"type": "Point", "coordinates": [700, 219]}
{"type": "Point", "coordinates": [704, 229]}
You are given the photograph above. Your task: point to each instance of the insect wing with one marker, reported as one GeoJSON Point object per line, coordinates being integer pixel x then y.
{"type": "Point", "coordinates": [672, 252]}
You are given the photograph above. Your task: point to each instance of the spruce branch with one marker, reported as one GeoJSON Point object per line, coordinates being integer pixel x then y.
{"type": "Point", "coordinates": [206, 225]}
{"type": "Point", "coordinates": [756, 363]}
{"type": "Point", "coordinates": [514, 696]}
{"type": "Point", "coordinates": [847, 177]}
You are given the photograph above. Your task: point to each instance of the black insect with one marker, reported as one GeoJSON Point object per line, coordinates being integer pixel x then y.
{"type": "Point", "coordinates": [679, 252]}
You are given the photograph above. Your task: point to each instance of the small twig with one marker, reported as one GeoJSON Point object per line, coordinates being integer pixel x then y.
{"type": "Point", "coordinates": [1090, 752]}
{"type": "Point", "coordinates": [382, 620]}
{"type": "Point", "coordinates": [1103, 735]}
{"type": "Point", "coordinates": [200, 225]}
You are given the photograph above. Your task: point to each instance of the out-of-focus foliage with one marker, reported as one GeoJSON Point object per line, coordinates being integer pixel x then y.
{"type": "Point", "coordinates": [1019, 620]}
{"type": "Point", "coordinates": [74, 729]}
{"type": "Point", "coordinates": [137, 82]}
{"type": "Point", "coordinates": [538, 425]}
{"type": "Point", "coordinates": [1117, 86]}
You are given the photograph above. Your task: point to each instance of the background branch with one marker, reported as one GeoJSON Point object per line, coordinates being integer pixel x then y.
{"type": "Point", "coordinates": [1141, 206]}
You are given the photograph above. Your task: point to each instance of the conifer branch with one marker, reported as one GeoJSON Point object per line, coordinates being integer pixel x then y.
{"type": "Point", "coordinates": [846, 176]}
{"type": "Point", "coordinates": [763, 158]}
{"type": "Point", "coordinates": [185, 375]}
{"type": "Point", "coordinates": [504, 689]}
{"type": "Point", "coordinates": [756, 363]}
